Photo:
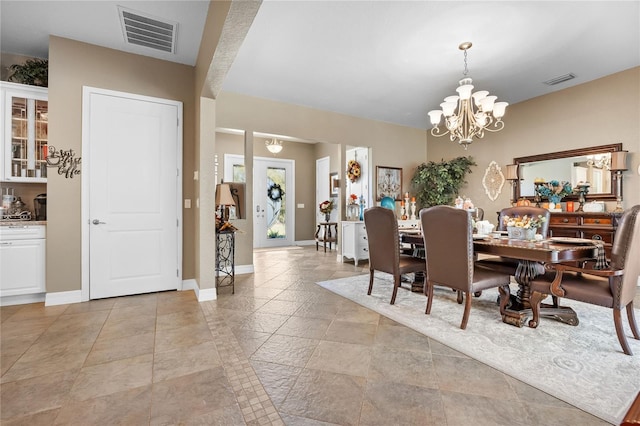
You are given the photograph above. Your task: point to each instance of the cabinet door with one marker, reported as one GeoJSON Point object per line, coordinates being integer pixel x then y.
{"type": "Point", "coordinates": [25, 115]}
{"type": "Point", "coordinates": [22, 267]}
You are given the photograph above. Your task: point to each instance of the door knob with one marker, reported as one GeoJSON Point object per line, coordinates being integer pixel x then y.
{"type": "Point", "coordinates": [97, 222]}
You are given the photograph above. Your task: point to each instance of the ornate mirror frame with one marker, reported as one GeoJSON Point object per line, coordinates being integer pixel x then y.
{"type": "Point", "coordinates": [609, 196]}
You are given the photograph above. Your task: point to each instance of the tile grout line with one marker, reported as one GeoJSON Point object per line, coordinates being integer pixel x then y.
{"type": "Point", "coordinates": [255, 405]}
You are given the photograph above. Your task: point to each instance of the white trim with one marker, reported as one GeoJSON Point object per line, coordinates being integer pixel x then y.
{"type": "Point", "coordinates": [305, 242]}
{"type": "Point", "coordinates": [22, 299]}
{"type": "Point", "coordinates": [244, 269]}
{"type": "Point", "coordinates": [63, 298]}
{"type": "Point", "coordinates": [203, 295]}
{"type": "Point", "coordinates": [87, 91]}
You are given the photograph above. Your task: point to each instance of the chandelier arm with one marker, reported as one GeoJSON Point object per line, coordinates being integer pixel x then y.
{"type": "Point", "coordinates": [435, 131]}
{"type": "Point", "coordinates": [498, 125]}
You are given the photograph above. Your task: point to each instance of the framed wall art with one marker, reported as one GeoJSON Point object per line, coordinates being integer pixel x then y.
{"type": "Point", "coordinates": [388, 182]}
{"type": "Point", "coordinates": [334, 184]}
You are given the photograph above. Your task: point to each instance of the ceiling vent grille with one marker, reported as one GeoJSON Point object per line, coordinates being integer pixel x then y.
{"type": "Point", "coordinates": [145, 30]}
{"type": "Point", "coordinates": [560, 79]}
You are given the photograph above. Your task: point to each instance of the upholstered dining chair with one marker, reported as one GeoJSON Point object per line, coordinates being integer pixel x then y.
{"type": "Point", "coordinates": [448, 241]}
{"type": "Point", "coordinates": [384, 248]}
{"type": "Point", "coordinates": [506, 265]}
{"type": "Point", "coordinates": [614, 287]}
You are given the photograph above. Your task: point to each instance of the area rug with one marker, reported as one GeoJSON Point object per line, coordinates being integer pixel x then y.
{"type": "Point", "coordinates": [582, 365]}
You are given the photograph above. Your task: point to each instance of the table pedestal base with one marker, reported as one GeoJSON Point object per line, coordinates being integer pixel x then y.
{"type": "Point", "coordinates": [518, 315]}
{"type": "Point", "coordinates": [417, 286]}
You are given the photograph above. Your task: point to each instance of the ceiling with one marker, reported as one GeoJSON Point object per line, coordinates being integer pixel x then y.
{"type": "Point", "coordinates": [391, 61]}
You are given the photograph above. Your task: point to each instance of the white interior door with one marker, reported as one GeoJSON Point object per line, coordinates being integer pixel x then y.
{"type": "Point", "coordinates": [134, 194]}
{"type": "Point", "coordinates": [273, 202]}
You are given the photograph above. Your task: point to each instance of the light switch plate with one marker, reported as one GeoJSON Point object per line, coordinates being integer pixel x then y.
{"type": "Point", "coordinates": [187, 203]}
{"type": "Point", "coordinates": [301, 206]}
{"type": "Point", "coordinates": [195, 175]}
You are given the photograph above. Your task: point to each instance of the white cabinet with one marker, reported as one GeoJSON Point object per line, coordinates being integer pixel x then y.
{"type": "Point", "coordinates": [25, 126]}
{"type": "Point", "coordinates": [22, 260]}
{"type": "Point", "coordinates": [354, 241]}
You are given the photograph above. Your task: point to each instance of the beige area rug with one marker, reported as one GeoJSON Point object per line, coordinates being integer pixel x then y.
{"type": "Point", "coordinates": [582, 365]}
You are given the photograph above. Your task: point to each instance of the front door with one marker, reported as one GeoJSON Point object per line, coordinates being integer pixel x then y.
{"type": "Point", "coordinates": [273, 202]}
{"type": "Point", "coordinates": [134, 193]}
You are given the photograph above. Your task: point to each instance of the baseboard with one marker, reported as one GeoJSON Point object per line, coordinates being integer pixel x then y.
{"type": "Point", "coordinates": [22, 299]}
{"type": "Point", "coordinates": [203, 295]}
{"type": "Point", "coordinates": [63, 298]}
{"type": "Point", "coordinates": [244, 269]}
{"type": "Point", "coordinates": [305, 243]}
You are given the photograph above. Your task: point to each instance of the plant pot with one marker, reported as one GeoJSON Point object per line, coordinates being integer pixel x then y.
{"type": "Point", "coordinates": [519, 233]}
{"type": "Point", "coordinates": [327, 217]}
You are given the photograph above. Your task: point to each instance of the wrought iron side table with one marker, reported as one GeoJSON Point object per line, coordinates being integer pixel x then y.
{"type": "Point", "coordinates": [225, 259]}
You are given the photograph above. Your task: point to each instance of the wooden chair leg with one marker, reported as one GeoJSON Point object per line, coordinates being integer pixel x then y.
{"type": "Point", "coordinates": [617, 320]}
{"type": "Point", "coordinates": [459, 297]}
{"type": "Point", "coordinates": [467, 309]}
{"type": "Point", "coordinates": [396, 284]}
{"type": "Point", "coordinates": [535, 300]}
{"type": "Point", "coordinates": [505, 297]}
{"type": "Point", "coordinates": [370, 281]}
{"type": "Point", "coordinates": [429, 293]}
{"type": "Point", "coordinates": [632, 321]}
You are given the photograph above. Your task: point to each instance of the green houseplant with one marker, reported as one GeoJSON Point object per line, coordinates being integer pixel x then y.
{"type": "Point", "coordinates": [439, 183]}
{"type": "Point", "coordinates": [34, 72]}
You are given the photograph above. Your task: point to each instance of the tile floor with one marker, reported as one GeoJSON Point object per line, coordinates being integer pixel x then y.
{"type": "Point", "coordinates": [281, 351]}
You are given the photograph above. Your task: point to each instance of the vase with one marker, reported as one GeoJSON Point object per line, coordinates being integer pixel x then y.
{"type": "Point", "coordinates": [327, 217]}
{"type": "Point", "coordinates": [555, 199]}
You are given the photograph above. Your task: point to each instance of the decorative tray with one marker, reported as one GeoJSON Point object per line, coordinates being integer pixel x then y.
{"type": "Point", "coordinates": [570, 240]}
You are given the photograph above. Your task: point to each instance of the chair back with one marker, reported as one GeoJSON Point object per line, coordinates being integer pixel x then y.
{"type": "Point", "coordinates": [448, 242]}
{"type": "Point", "coordinates": [625, 254]}
{"type": "Point", "coordinates": [528, 211]}
{"type": "Point", "coordinates": [384, 242]}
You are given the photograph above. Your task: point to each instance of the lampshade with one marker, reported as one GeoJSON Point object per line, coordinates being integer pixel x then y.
{"type": "Point", "coordinates": [512, 172]}
{"type": "Point", "coordinates": [223, 195]}
{"type": "Point", "coordinates": [619, 160]}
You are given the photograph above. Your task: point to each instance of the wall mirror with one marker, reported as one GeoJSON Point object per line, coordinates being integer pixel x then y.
{"type": "Point", "coordinates": [591, 165]}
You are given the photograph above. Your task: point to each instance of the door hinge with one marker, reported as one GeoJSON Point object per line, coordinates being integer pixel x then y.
{"type": "Point", "coordinates": [178, 223]}
{"type": "Point", "coordinates": [178, 273]}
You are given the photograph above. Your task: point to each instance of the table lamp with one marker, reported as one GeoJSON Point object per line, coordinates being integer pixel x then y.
{"type": "Point", "coordinates": [512, 177]}
{"type": "Point", "coordinates": [618, 165]}
{"type": "Point", "coordinates": [224, 200]}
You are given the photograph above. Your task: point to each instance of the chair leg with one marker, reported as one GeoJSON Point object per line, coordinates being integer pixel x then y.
{"type": "Point", "coordinates": [632, 321]}
{"type": "Point", "coordinates": [370, 281]}
{"type": "Point", "coordinates": [535, 300]}
{"type": "Point", "coordinates": [505, 297]}
{"type": "Point", "coordinates": [467, 309]}
{"type": "Point", "coordinates": [396, 284]}
{"type": "Point", "coordinates": [459, 297]}
{"type": "Point", "coordinates": [617, 320]}
{"type": "Point", "coordinates": [429, 293]}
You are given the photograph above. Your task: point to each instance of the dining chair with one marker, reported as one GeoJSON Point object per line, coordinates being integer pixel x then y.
{"type": "Point", "coordinates": [613, 287]}
{"type": "Point", "coordinates": [384, 248]}
{"type": "Point", "coordinates": [504, 264]}
{"type": "Point", "coordinates": [448, 240]}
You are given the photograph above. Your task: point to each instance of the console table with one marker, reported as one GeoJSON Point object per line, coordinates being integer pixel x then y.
{"type": "Point", "coordinates": [225, 259]}
{"type": "Point", "coordinates": [354, 241]}
{"type": "Point", "coordinates": [327, 232]}
{"type": "Point", "coordinates": [599, 226]}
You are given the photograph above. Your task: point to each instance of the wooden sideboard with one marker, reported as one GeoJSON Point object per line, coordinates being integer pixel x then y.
{"type": "Point", "coordinates": [595, 226]}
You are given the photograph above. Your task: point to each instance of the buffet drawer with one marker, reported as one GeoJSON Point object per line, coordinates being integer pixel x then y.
{"type": "Point", "coordinates": [560, 219]}
{"type": "Point", "coordinates": [606, 220]}
{"type": "Point", "coordinates": [605, 236]}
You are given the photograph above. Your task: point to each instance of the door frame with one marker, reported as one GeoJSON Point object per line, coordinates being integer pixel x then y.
{"type": "Point", "coordinates": [87, 92]}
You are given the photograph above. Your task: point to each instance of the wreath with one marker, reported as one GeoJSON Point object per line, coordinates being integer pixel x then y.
{"type": "Point", "coordinates": [275, 192]}
{"type": "Point", "coordinates": [354, 170]}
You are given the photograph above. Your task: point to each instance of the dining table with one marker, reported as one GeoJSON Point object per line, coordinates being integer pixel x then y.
{"type": "Point", "coordinates": [532, 256]}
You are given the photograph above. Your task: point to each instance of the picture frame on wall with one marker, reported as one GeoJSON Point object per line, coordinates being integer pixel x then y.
{"type": "Point", "coordinates": [334, 184]}
{"type": "Point", "coordinates": [388, 182]}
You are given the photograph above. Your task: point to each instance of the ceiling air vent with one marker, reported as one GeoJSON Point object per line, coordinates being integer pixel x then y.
{"type": "Point", "coordinates": [148, 31]}
{"type": "Point", "coordinates": [560, 79]}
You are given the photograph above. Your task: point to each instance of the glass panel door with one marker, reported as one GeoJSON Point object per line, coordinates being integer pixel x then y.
{"type": "Point", "coordinates": [273, 202]}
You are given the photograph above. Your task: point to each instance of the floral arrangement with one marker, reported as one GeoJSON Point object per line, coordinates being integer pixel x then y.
{"type": "Point", "coordinates": [554, 190]}
{"type": "Point", "coordinates": [326, 206]}
{"type": "Point", "coordinates": [353, 199]}
{"type": "Point", "coordinates": [353, 170]}
{"type": "Point", "coordinates": [527, 222]}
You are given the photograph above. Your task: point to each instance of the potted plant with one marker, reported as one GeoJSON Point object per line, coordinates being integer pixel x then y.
{"type": "Point", "coordinates": [34, 72]}
{"type": "Point", "coordinates": [439, 183]}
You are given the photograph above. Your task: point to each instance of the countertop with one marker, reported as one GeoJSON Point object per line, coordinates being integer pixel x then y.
{"type": "Point", "coordinates": [22, 222]}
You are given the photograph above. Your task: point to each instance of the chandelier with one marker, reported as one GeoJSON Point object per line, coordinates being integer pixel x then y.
{"type": "Point", "coordinates": [464, 118]}
{"type": "Point", "coordinates": [274, 146]}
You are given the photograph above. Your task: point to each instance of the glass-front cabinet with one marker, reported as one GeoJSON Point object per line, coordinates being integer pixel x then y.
{"type": "Point", "coordinates": [25, 132]}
